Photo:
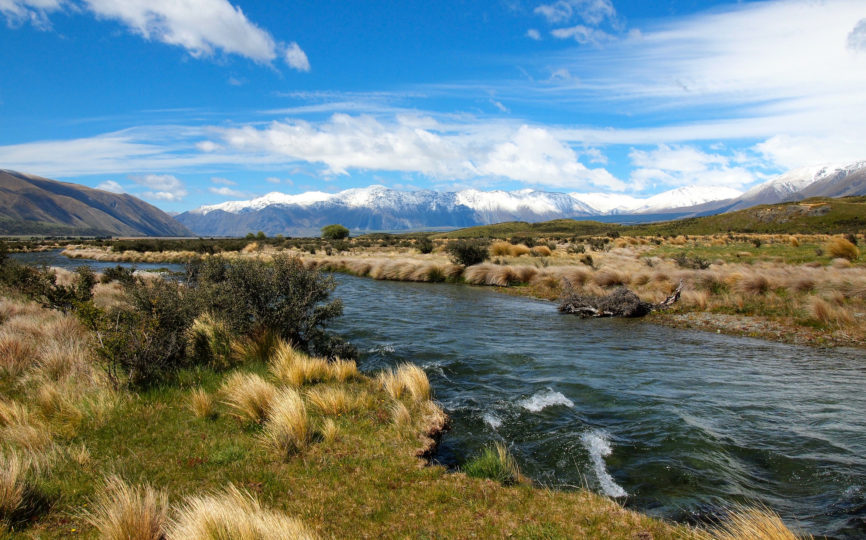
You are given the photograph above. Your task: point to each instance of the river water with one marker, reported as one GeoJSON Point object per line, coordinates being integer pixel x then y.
{"type": "Point", "coordinates": [675, 423]}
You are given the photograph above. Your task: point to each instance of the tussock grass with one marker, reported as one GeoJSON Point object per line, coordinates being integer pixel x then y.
{"type": "Point", "coordinates": [16, 353]}
{"type": "Point", "coordinates": [210, 342]}
{"type": "Point", "coordinates": [124, 512]}
{"type": "Point", "coordinates": [288, 429]}
{"type": "Point", "coordinates": [495, 463]}
{"type": "Point", "coordinates": [332, 400]}
{"type": "Point", "coordinates": [751, 524]}
{"type": "Point", "coordinates": [500, 249]}
{"type": "Point", "coordinates": [344, 370]}
{"type": "Point", "coordinates": [295, 368]}
{"type": "Point", "coordinates": [828, 314]}
{"type": "Point", "coordinates": [249, 396]}
{"type": "Point", "coordinates": [842, 248]}
{"type": "Point", "coordinates": [59, 403]}
{"type": "Point", "coordinates": [610, 278]}
{"type": "Point", "coordinates": [400, 415]}
{"type": "Point", "coordinates": [257, 348]}
{"type": "Point", "coordinates": [407, 379]}
{"type": "Point", "coordinates": [234, 514]}
{"type": "Point", "coordinates": [202, 404]}
{"type": "Point", "coordinates": [541, 251]}
{"type": "Point", "coordinates": [329, 431]}
{"type": "Point", "coordinates": [20, 497]}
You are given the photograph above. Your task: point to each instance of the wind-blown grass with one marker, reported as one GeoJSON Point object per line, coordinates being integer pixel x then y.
{"type": "Point", "coordinates": [249, 396]}
{"type": "Point", "coordinates": [287, 429]}
{"type": "Point", "coordinates": [124, 512]}
{"type": "Point", "coordinates": [496, 463]}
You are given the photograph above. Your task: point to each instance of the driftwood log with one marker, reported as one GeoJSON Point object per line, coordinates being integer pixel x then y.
{"type": "Point", "coordinates": [620, 303]}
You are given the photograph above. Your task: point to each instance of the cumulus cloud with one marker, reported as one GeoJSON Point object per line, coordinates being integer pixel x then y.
{"type": "Point", "coordinates": [201, 27]}
{"type": "Point", "coordinates": [35, 12]}
{"type": "Point", "coordinates": [532, 33]}
{"type": "Point", "coordinates": [590, 11]}
{"type": "Point", "coordinates": [161, 187]}
{"type": "Point", "coordinates": [683, 166]}
{"type": "Point", "coordinates": [112, 186]}
{"type": "Point", "coordinates": [296, 57]}
{"type": "Point", "coordinates": [531, 155]}
{"type": "Point", "coordinates": [799, 151]}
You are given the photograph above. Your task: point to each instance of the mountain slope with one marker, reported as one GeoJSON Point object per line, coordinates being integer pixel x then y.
{"type": "Point", "coordinates": [35, 205]}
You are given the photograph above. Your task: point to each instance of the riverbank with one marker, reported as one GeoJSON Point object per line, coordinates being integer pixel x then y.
{"type": "Point", "coordinates": [81, 452]}
{"type": "Point", "coordinates": [802, 289]}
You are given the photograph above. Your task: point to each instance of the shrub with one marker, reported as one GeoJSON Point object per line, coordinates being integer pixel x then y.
{"type": "Point", "coordinates": [467, 252]}
{"type": "Point", "coordinates": [575, 248]}
{"type": "Point", "coordinates": [334, 232]}
{"type": "Point", "coordinates": [123, 512]}
{"type": "Point", "coordinates": [281, 295]}
{"type": "Point", "coordinates": [123, 274]}
{"type": "Point", "coordinates": [495, 463]}
{"type": "Point", "coordinates": [249, 396]}
{"type": "Point", "coordinates": [288, 427]}
{"type": "Point", "coordinates": [425, 245]}
{"type": "Point", "coordinates": [843, 248]}
{"type": "Point", "coordinates": [695, 263]}
{"type": "Point", "coordinates": [233, 514]}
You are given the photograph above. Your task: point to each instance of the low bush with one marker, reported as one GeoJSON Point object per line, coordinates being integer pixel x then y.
{"type": "Point", "coordinates": [334, 232]}
{"type": "Point", "coordinates": [468, 252]}
{"type": "Point", "coordinates": [425, 244]}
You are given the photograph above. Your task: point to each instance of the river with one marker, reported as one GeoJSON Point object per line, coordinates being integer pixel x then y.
{"type": "Point", "coordinates": [674, 423]}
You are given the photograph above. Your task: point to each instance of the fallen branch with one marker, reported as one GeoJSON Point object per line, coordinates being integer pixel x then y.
{"type": "Point", "coordinates": [620, 303]}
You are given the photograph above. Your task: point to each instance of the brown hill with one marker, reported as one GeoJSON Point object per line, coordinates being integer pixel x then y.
{"type": "Point", "coordinates": [34, 205]}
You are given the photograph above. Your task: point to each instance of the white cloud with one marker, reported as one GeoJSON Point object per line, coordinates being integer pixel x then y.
{"type": "Point", "coordinates": [227, 192]}
{"type": "Point", "coordinates": [35, 12]}
{"type": "Point", "coordinates": [799, 151]}
{"type": "Point", "coordinates": [208, 146]}
{"type": "Point", "coordinates": [161, 187]}
{"type": "Point", "coordinates": [582, 34]}
{"type": "Point", "coordinates": [533, 155]}
{"type": "Point", "coordinates": [857, 37]}
{"type": "Point", "coordinates": [590, 11]}
{"type": "Point", "coordinates": [296, 58]}
{"type": "Point", "coordinates": [532, 33]}
{"type": "Point", "coordinates": [499, 106]}
{"type": "Point", "coordinates": [112, 186]}
{"type": "Point", "coordinates": [223, 181]}
{"type": "Point", "coordinates": [685, 166]}
{"type": "Point", "coordinates": [272, 180]}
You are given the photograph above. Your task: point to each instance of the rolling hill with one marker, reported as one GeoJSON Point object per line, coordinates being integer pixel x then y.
{"type": "Point", "coordinates": [39, 206]}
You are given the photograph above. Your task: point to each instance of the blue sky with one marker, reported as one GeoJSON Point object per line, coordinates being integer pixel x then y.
{"type": "Point", "coordinates": [191, 102]}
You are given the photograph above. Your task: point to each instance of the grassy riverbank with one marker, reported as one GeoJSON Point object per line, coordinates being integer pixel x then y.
{"type": "Point", "coordinates": [808, 289]}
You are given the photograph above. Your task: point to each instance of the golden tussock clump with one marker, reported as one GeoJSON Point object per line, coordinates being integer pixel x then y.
{"type": "Point", "coordinates": [202, 404]}
{"type": "Point", "coordinates": [124, 512]}
{"type": "Point", "coordinates": [754, 284]}
{"type": "Point", "coordinates": [295, 368]}
{"type": "Point", "coordinates": [234, 514]}
{"type": "Point", "coordinates": [329, 431]}
{"type": "Point", "coordinates": [17, 477]}
{"type": "Point", "coordinates": [697, 299]}
{"type": "Point", "coordinates": [841, 262]}
{"type": "Point", "coordinates": [500, 249]}
{"type": "Point", "coordinates": [610, 278]}
{"type": "Point", "coordinates": [794, 241]}
{"type": "Point", "coordinates": [209, 342]}
{"type": "Point", "coordinates": [827, 314]}
{"type": "Point", "coordinates": [518, 250]}
{"type": "Point", "coordinates": [749, 523]}
{"type": "Point", "coordinates": [287, 429]}
{"type": "Point", "coordinates": [331, 400]}
{"type": "Point", "coordinates": [344, 370]}
{"type": "Point", "coordinates": [406, 379]}
{"type": "Point", "coordinates": [541, 251]}
{"type": "Point", "coordinates": [842, 248]}
{"type": "Point", "coordinates": [248, 395]}
{"type": "Point", "coordinates": [400, 414]}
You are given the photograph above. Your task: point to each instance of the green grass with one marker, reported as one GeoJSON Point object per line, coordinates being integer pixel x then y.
{"type": "Point", "coordinates": [366, 483]}
{"type": "Point", "coordinates": [746, 252]}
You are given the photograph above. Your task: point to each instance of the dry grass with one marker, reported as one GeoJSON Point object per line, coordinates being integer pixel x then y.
{"type": "Point", "coordinates": [400, 415]}
{"type": "Point", "coordinates": [500, 249]}
{"type": "Point", "coordinates": [16, 353]}
{"type": "Point", "coordinates": [249, 396]}
{"type": "Point", "coordinates": [406, 379]}
{"type": "Point", "coordinates": [202, 404]}
{"type": "Point", "coordinates": [541, 251]}
{"type": "Point", "coordinates": [842, 248]}
{"type": "Point", "coordinates": [344, 370]}
{"type": "Point", "coordinates": [257, 348]}
{"type": "Point", "coordinates": [234, 514]}
{"type": "Point", "coordinates": [13, 486]}
{"type": "Point", "coordinates": [749, 524]}
{"type": "Point", "coordinates": [288, 429]}
{"type": "Point", "coordinates": [329, 431]}
{"type": "Point", "coordinates": [124, 512]}
{"type": "Point", "coordinates": [295, 368]}
{"type": "Point", "coordinates": [61, 405]}
{"type": "Point", "coordinates": [828, 314]}
{"type": "Point", "coordinates": [331, 400]}
{"type": "Point", "coordinates": [209, 341]}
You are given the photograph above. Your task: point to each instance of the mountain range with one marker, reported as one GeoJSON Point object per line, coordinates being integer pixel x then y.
{"type": "Point", "coordinates": [378, 208]}
{"type": "Point", "coordinates": [35, 205]}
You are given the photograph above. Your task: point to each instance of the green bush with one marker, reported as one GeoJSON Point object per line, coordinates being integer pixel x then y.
{"type": "Point", "coordinates": [468, 252]}
{"type": "Point", "coordinates": [334, 232]}
{"type": "Point", "coordinates": [496, 463]}
{"type": "Point", "coordinates": [425, 245]}
{"type": "Point", "coordinates": [281, 295]}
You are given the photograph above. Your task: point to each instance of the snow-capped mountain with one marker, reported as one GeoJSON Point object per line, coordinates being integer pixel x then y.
{"type": "Point", "coordinates": [378, 208]}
